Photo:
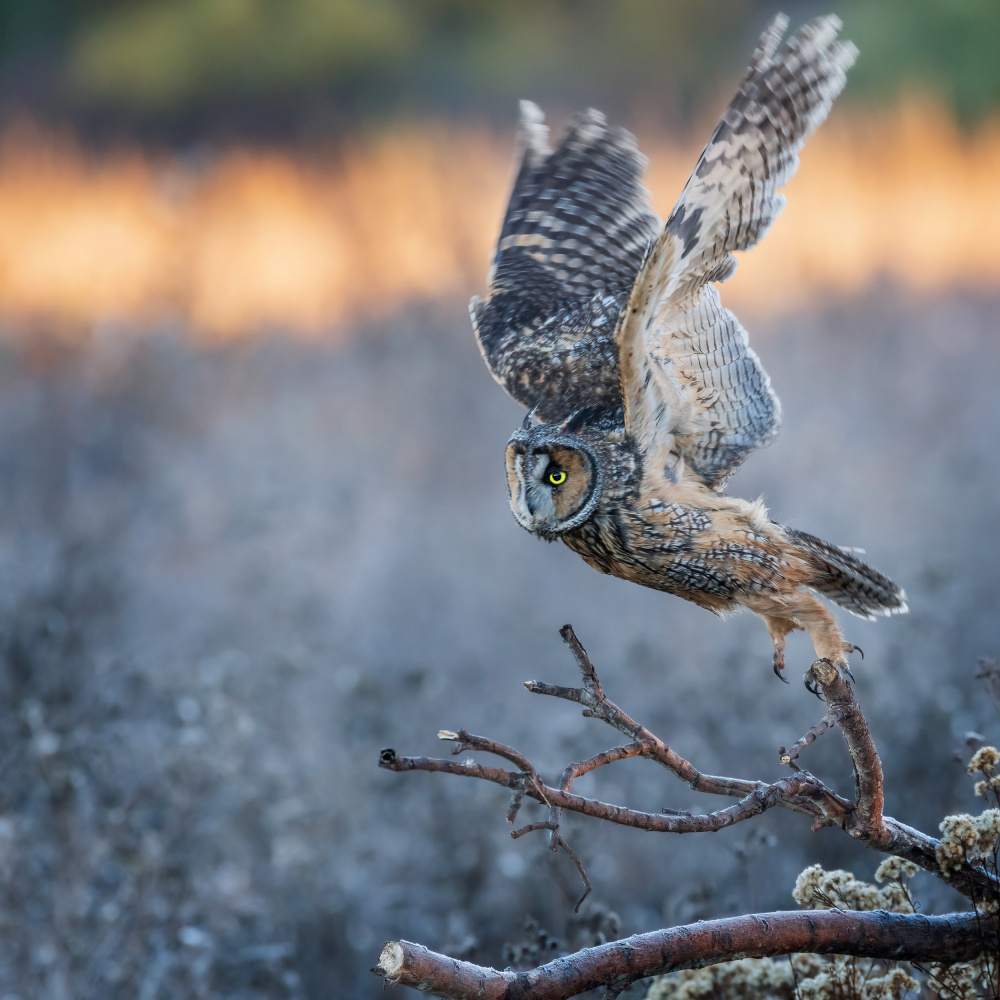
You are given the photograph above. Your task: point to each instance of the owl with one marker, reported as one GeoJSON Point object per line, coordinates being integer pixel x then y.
{"type": "Point", "coordinates": [643, 394]}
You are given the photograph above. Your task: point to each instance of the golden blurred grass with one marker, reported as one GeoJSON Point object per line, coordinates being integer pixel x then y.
{"type": "Point", "coordinates": [258, 239]}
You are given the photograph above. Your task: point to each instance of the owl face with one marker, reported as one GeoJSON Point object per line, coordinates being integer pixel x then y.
{"type": "Point", "coordinates": [553, 479]}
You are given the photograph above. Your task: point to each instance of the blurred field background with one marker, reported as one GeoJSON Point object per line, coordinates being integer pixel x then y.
{"type": "Point", "coordinates": [254, 524]}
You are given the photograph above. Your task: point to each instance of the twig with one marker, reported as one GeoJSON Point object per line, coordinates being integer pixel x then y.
{"type": "Point", "coordinates": [900, 936]}
{"type": "Point", "coordinates": [761, 798]}
{"type": "Point", "coordinates": [827, 722]}
{"type": "Point", "coordinates": [597, 705]}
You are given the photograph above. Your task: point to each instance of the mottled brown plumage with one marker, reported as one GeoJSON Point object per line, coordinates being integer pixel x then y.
{"type": "Point", "coordinates": [644, 393]}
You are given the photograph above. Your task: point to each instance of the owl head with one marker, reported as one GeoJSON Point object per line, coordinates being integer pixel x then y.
{"type": "Point", "coordinates": [553, 476]}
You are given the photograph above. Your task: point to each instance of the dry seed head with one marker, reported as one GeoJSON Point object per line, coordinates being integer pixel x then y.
{"type": "Point", "coordinates": [960, 829]}
{"type": "Point", "coordinates": [747, 979]}
{"type": "Point", "coordinates": [984, 759]}
{"type": "Point", "coordinates": [898, 983]}
{"type": "Point", "coordinates": [988, 825]}
{"type": "Point", "coordinates": [807, 884]}
{"type": "Point", "coordinates": [894, 985]}
{"type": "Point", "coordinates": [893, 898]}
{"type": "Point", "coordinates": [893, 867]}
{"type": "Point", "coordinates": [955, 982]}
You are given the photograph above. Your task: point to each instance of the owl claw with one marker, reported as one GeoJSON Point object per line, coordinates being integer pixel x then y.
{"type": "Point", "coordinates": [777, 667]}
{"type": "Point", "coordinates": [857, 649]}
{"type": "Point", "coordinates": [812, 688]}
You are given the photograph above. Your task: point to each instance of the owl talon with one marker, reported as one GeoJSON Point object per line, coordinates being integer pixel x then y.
{"type": "Point", "coordinates": [812, 688]}
{"type": "Point", "coordinates": [858, 649]}
{"type": "Point", "coordinates": [778, 668]}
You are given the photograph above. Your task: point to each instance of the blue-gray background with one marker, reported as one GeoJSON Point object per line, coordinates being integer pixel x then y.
{"type": "Point", "coordinates": [229, 576]}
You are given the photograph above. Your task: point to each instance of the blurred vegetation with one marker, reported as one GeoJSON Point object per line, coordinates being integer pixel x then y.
{"type": "Point", "coordinates": [174, 60]}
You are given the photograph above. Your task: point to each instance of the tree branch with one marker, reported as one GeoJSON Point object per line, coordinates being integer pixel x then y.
{"type": "Point", "coordinates": [800, 792]}
{"type": "Point", "coordinates": [823, 806]}
{"type": "Point", "coordinates": [865, 821]}
{"type": "Point", "coordinates": [761, 798]}
{"type": "Point", "coordinates": [950, 938]}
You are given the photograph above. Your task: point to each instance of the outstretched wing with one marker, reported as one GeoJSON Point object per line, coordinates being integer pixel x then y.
{"type": "Point", "coordinates": [576, 230]}
{"type": "Point", "coordinates": [696, 396]}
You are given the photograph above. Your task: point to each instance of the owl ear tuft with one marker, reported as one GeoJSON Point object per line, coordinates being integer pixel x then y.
{"type": "Point", "coordinates": [576, 420]}
{"type": "Point", "coordinates": [529, 418]}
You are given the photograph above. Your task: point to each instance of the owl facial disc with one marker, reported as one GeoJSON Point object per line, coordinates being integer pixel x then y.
{"type": "Point", "coordinates": [554, 483]}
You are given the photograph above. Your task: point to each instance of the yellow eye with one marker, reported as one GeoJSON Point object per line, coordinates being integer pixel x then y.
{"type": "Point", "coordinates": [557, 478]}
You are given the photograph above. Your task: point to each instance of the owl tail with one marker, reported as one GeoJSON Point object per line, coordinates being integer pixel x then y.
{"type": "Point", "coordinates": [846, 580]}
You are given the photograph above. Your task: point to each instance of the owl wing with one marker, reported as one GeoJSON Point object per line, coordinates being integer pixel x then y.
{"type": "Point", "coordinates": [575, 233]}
{"type": "Point", "coordinates": [696, 396]}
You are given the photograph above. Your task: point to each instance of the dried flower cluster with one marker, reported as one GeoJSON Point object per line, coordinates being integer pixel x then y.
{"type": "Point", "coordinates": [955, 982]}
{"type": "Point", "coordinates": [895, 868]}
{"type": "Point", "coordinates": [747, 979]}
{"type": "Point", "coordinates": [817, 889]}
{"type": "Point", "coordinates": [984, 761]}
{"type": "Point", "coordinates": [974, 841]}
{"type": "Point", "coordinates": [799, 977]}
{"type": "Point", "coordinates": [839, 977]}
{"type": "Point", "coordinates": [968, 839]}
{"type": "Point", "coordinates": [810, 977]}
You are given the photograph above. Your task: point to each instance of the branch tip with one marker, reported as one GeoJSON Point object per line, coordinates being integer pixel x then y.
{"type": "Point", "coordinates": [391, 960]}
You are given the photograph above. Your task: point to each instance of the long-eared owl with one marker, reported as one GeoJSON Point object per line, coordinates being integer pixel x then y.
{"type": "Point", "coordinates": [644, 395]}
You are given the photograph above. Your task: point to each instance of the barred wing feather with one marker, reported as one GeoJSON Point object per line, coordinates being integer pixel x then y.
{"type": "Point", "coordinates": [696, 396]}
{"type": "Point", "coordinates": [574, 235]}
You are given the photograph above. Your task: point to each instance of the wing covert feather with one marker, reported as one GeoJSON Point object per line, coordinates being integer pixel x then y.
{"type": "Point", "coordinates": [711, 400]}
{"type": "Point", "coordinates": [576, 229]}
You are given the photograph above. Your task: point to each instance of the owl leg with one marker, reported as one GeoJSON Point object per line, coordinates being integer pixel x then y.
{"type": "Point", "coordinates": [779, 629]}
{"type": "Point", "coordinates": [822, 627]}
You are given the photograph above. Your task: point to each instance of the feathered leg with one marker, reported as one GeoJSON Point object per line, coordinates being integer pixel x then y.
{"type": "Point", "coordinates": [822, 627]}
{"type": "Point", "coordinates": [802, 610]}
{"type": "Point", "coordinates": [779, 629]}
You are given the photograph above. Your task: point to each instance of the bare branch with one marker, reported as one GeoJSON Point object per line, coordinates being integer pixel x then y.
{"type": "Point", "coordinates": [878, 934]}
{"type": "Point", "coordinates": [800, 792]}
{"type": "Point", "coordinates": [827, 722]}
{"type": "Point", "coordinates": [597, 705]}
{"type": "Point", "coordinates": [761, 798]}
{"type": "Point", "coordinates": [865, 823]}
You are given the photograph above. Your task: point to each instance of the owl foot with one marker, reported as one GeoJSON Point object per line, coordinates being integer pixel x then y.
{"type": "Point", "coordinates": [778, 664]}
{"type": "Point", "coordinates": [842, 662]}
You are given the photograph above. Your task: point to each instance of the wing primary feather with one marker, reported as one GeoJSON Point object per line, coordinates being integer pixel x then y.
{"type": "Point", "coordinates": [534, 134]}
{"type": "Point", "coordinates": [575, 231]}
{"type": "Point", "coordinates": [714, 402]}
